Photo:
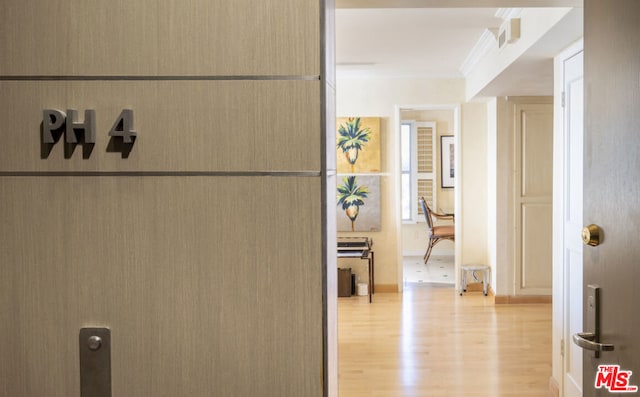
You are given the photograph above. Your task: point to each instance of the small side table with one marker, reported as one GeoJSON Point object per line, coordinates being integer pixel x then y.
{"type": "Point", "coordinates": [486, 274]}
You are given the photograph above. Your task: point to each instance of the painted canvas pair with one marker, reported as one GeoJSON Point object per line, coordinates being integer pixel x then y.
{"type": "Point", "coordinates": [358, 161]}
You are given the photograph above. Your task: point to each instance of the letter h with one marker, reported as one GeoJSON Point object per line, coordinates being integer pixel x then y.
{"type": "Point", "coordinates": [88, 126]}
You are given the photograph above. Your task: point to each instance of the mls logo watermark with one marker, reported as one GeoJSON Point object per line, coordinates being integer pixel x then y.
{"type": "Point", "coordinates": [614, 379]}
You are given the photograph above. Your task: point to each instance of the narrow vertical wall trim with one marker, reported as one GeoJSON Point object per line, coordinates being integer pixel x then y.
{"type": "Point", "coordinates": [161, 78]}
{"type": "Point", "coordinates": [323, 189]}
{"type": "Point", "coordinates": [164, 173]}
{"type": "Point", "coordinates": [329, 345]}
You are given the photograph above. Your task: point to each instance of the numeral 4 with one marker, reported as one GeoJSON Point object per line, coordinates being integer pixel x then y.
{"type": "Point", "coordinates": [123, 127]}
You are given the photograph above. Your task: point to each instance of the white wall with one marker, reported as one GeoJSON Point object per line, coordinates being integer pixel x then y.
{"type": "Point", "coordinates": [485, 210]}
{"type": "Point", "coordinates": [492, 131]}
{"type": "Point", "coordinates": [474, 184]}
{"type": "Point", "coordinates": [382, 98]}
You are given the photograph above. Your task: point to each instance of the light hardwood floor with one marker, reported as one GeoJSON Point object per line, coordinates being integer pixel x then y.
{"type": "Point", "coordinates": [428, 341]}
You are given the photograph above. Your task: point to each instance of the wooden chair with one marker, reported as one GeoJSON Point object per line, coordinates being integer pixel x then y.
{"type": "Point", "coordinates": [436, 233]}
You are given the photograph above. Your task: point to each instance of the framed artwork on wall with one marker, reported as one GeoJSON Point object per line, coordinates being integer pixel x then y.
{"type": "Point", "coordinates": [447, 161]}
{"type": "Point", "coordinates": [357, 144]}
{"type": "Point", "coordinates": [358, 200]}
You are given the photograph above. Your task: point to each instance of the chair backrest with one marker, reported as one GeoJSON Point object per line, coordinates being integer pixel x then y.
{"type": "Point", "coordinates": [427, 213]}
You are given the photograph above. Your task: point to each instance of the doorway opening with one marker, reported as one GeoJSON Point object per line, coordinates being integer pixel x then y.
{"type": "Point", "coordinates": [427, 137]}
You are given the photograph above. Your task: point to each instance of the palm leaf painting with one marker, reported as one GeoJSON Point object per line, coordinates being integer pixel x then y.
{"type": "Point", "coordinates": [352, 137]}
{"type": "Point", "coordinates": [351, 197]}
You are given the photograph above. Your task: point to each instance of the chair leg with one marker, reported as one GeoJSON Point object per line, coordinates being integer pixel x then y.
{"type": "Point", "coordinates": [428, 253]}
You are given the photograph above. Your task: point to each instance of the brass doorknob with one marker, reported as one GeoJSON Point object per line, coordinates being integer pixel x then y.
{"type": "Point", "coordinates": [591, 235]}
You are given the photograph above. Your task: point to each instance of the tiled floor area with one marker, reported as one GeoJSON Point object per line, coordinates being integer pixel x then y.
{"type": "Point", "coordinates": [439, 270]}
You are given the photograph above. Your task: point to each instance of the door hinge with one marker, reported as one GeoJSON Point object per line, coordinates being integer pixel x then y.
{"type": "Point", "coordinates": [562, 347]}
{"type": "Point", "coordinates": [563, 99]}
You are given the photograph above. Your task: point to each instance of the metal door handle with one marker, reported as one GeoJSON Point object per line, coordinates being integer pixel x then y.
{"type": "Point", "coordinates": [586, 340]}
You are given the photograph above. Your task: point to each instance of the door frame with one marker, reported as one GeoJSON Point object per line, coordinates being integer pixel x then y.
{"type": "Point", "coordinates": [559, 344]}
{"type": "Point", "coordinates": [456, 109]}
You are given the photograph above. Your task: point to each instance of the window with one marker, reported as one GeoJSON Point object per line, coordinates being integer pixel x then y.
{"type": "Point", "coordinates": [417, 153]}
{"type": "Point", "coordinates": [407, 177]}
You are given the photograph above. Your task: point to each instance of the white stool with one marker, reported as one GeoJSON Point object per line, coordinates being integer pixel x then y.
{"type": "Point", "coordinates": [486, 274]}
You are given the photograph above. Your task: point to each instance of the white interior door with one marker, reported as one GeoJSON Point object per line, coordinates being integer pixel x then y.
{"type": "Point", "coordinates": [533, 197]}
{"type": "Point", "coordinates": [572, 247]}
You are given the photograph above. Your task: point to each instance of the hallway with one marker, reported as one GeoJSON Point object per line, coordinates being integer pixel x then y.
{"type": "Point", "coordinates": [431, 342]}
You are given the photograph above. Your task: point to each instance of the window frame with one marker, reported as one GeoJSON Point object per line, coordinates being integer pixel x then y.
{"type": "Point", "coordinates": [413, 170]}
{"type": "Point", "coordinates": [413, 163]}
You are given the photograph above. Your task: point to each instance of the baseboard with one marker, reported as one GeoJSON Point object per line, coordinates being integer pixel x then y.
{"type": "Point", "coordinates": [522, 299]}
{"type": "Point", "coordinates": [554, 387]}
{"type": "Point", "coordinates": [386, 288]}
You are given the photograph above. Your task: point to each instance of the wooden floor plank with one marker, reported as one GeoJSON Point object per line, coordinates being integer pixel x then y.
{"type": "Point", "coordinates": [432, 342]}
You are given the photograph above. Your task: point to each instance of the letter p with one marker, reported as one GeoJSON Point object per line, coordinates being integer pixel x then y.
{"type": "Point", "coordinates": [52, 120]}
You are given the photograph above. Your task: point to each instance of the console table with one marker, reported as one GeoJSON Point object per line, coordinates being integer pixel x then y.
{"type": "Point", "coordinates": [358, 248]}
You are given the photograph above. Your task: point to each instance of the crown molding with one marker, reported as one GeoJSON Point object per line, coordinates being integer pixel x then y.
{"type": "Point", "coordinates": [487, 41]}
{"type": "Point", "coordinates": [508, 13]}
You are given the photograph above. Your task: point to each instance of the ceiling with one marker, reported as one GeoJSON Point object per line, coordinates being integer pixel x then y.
{"type": "Point", "coordinates": [428, 42]}
{"type": "Point", "coordinates": [424, 42]}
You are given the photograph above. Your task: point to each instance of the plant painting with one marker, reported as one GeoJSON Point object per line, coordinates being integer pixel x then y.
{"type": "Point", "coordinates": [351, 197]}
{"type": "Point", "coordinates": [358, 197]}
{"type": "Point", "coordinates": [358, 144]}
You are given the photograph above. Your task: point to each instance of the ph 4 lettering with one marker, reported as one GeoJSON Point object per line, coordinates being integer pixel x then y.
{"type": "Point", "coordinates": [613, 378]}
